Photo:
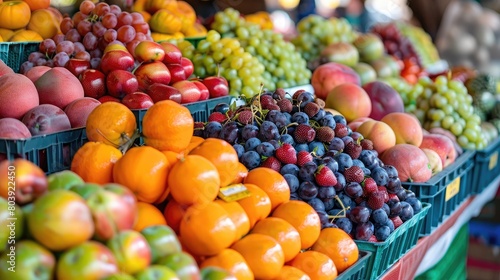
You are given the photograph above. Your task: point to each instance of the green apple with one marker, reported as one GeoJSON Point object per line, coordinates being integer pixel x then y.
{"type": "Point", "coordinates": [366, 72]}
{"type": "Point", "coordinates": [120, 276]}
{"type": "Point", "coordinates": [85, 190]}
{"type": "Point", "coordinates": [370, 47]}
{"type": "Point", "coordinates": [26, 211]}
{"type": "Point", "coordinates": [216, 273]}
{"type": "Point", "coordinates": [131, 250]}
{"type": "Point", "coordinates": [27, 260]}
{"type": "Point", "coordinates": [89, 260]}
{"type": "Point", "coordinates": [156, 272]}
{"type": "Point", "coordinates": [64, 180]}
{"type": "Point", "coordinates": [183, 264]}
{"type": "Point", "coordinates": [11, 223]}
{"type": "Point", "coordinates": [386, 66]}
{"type": "Point", "coordinates": [162, 240]}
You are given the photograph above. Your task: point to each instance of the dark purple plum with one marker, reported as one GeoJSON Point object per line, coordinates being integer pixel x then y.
{"type": "Point", "coordinates": [359, 214]}
{"type": "Point", "coordinates": [364, 231]}
{"type": "Point", "coordinates": [353, 190]}
{"type": "Point", "coordinates": [290, 168]}
{"type": "Point", "coordinates": [307, 190]}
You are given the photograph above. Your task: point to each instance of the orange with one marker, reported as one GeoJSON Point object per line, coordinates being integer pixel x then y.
{"type": "Point", "coordinates": [168, 126]}
{"type": "Point", "coordinates": [272, 182]}
{"type": "Point", "coordinates": [232, 261]}
{"type": "Point", "coordinates": [26, 36]}
{"type": "Point", "coordinates": [173, 213]}
{"type": "Point", "coordinates": [303, 218]}
{"type": "Point", "coordinates": [94, 162]}
{"type": "Point", "coordinates": [286, 235]}
{"type": "Point", "coordinates": [144, 171]}
{"type": "Point", "coordinates": [111, 123]}
{"type": "Point", "coordinates": [172, 157]}
{"type": "Point", "coordinates": [292, 273]}
{"type": "Point", "coordinates": [222, 155]}
{"type": "Point", "coordinates": [193, 180]}
{"type": "Point", "coordinates": [241, 173]}
{"type": "Point", "coordinates": [257, 205]}
{"type": "Point", "coordinates": [263, 254]}
{"type": "Point", "coordinates": [207, 229]}
{"type": "Point", "coordinates": [339, 246]}
{"type": "Point", "coordinates": [195, 142]}
{"type": "Point", "coordinates": [315, 264]}
{"type": "Point", "coordinates": [38, 4]}
{"type": "Point", "coordinates": [238, 216]}
{"type": "Point", "coordinates": [148, 215]}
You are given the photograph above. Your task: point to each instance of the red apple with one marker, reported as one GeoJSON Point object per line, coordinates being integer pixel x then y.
{"type": "Point", "coordinates": [117, 60]}
{"type": "Point", "coordinates": [125, 193]}
{"type": "Point", "coordinates": [137, 100]}
{"type": "Point", "coordinates": [30, 180]}
{"type": "Point", "coordinates": [329, 75]}
{"type": "Point", "coordinates": [442, 145]}
{"type": "Point", "coordinates": [182, 264]}
{"type": "Point", "coordinates": [189, 91]}
{"type": "Point", "coordinates": [121, 82]}
{"type": "Point", "coordinates": [132, 45]}
{"type": "Point", "coordinates": [384, 99]}
{"type": "Point", "coordinates": [160, 92]}
{"type": "Point", "coordinates": [93, 82]}
{"type": "Point", "coordinates": [108, 98]}
{"type": "Point", "coordinates": [204, 93]}
{"type": "Point", "coordinates": [177, 73]}
{"type": "Point", "coordinates": [45, 119]}
{"type": "Point", "coordinates": [150, 73]}
{"type": "Point", "coordinates": [149, 51]}
{"type": "Point", "coordinates": [29, 259]}
{"type": "Point", "coordinates": [162, 240]}
{"type": "Point", "coordinates": [217, 86]}
{"type": "Point", "coordinates": [131, 250]}
{"type": "Point", "coordinates": [188, 66]}
{"type": "Point", "coordinates": [142, 27]}
{"type": "Point", "coordinates": [156, 272]}
{"type": "Point", "coordinates": [173, 54]}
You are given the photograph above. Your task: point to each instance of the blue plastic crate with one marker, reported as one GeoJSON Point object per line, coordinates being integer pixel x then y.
{"type": "Point", "coordinates": [15, 53]}
{"type": "Point", "coordinates": [486, 167]}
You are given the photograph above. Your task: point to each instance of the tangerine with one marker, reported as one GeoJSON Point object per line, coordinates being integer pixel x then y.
{"type": "Point", "coordinates": [148, 215]}
{"type": "Point", "coordinates": [173, 213]}
{"type": "Point", "coordinates": [241, 173]}
{"type": "Point", "coordinates": [286, 235]}
{"type": "Point", "coordinates": [94, 162]}
{"type": "Point", "coordinates": [232, 261]}
{"type": "Point", "coordinates": [339, 246]}
{"type": "Point", "coordinates": [257, 205]}
{"type": "Point", "coordinates": [238, 216]}
{"type": "Point", "coordinates": [195, 142]}
{"type": "Point", "coordinates": [272, 182]}
{"type": "Point", "coordinates": [111, 123]}
{"type": "Point", "coordinates": [316, 265]}
{"type": "Point", "coordinates": [292, 273]}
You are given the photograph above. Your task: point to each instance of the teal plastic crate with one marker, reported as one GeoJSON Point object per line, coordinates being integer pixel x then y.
{"type": "Point", "coordinates": [388, 252]}
{"type": "Point", "coordinates": [486, 167]}
{"type": "Point", "coordinates": [14, 54]}
{"type": "Point", "coordinates": [358, 270]}
{"type": "Point", "coordinates": [52, 152]}
{"type": "Point", "coordinates": [445, 191]}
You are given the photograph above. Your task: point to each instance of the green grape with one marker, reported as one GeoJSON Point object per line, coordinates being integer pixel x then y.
{"type": "Point", "coordinates": [447, 122]}
{"type": "Point", "coordinates": [456, 128]}
{"type": "Point", "coordinates": [235, 83]}
{"type": "Point", "coordinates": [200, 71]}
{"type": "Point", "coordinates": [471, 134]}
{"type": "Point", "coordinates": [213, 36]}
{"type": "Point", "coordinates": [218, 56]}
{"type": "Point", "coordinates": [462, 140]}
{"type": "Point", "coordinates": [248, 91]}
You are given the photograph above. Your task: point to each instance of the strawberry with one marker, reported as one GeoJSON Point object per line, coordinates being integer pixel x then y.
{"type": "Point", "coordinates": [270, 107]}
{"type": "Point", "coordinates": [285, 105]}
{"type": "Point", "coordinates": [325, 134]}
{"type": "Point", "coordinates": [267, 100]}
{"type": "Point", "coordinates": [217, 117]}
{"type": "Point", "coordinates": [297, 93]}
{"type": "Point", "coordinates": [303, 157]}
{"type": "Point", "coordinates": [320, 102]}
{"type": "Point", "coordinates": [353, 149]}
{"type": "Point", "coordinates": [369, 186]}
{"type": "Point", "coordinates": [311, 109]}
{"type": "Point", "coordinates": [245, 117]}
{"type": "Point", "coordinates": [384, 191]}
{"type": "Point", "coordinates": [393, 196]}
{"type": "Point", "coordinates": [396, 221]}
{"type": "Point", "coordinates": [373, 239]}
{"type": "Point", "coordinates": [304, 134]}
{"type": "Point", "coordinates": [279, 94]}
{"type": "Point", "coordinates": [325, 176]}
{"type": "Point", "coordinates": [272, 162]}
{"type": "Point", "coordinates": [366, 144]}
{"type": "Point", "coordinates": [341, 130]}
{"type": "Point", "coordinates": [376, 200]}
{"type": "Point", "coordinates": [354, 174]}
{"type": "Point", "coordinates": [286, 154]}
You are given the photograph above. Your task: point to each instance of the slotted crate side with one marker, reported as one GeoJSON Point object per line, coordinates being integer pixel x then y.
{"type": "Point", "coordinates": [486, 167]}
{"type": "Point", "coordinates": [15, 53]}
{"type": "Point", "coordinates": [358, 270]}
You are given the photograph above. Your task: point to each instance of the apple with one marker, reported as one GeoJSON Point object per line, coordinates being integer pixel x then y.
{"type": "Point", "coordinates": [177, 73]}
{"type": "Point", "coordinates": [189, 91]}
{"type": "Point", "coordinates": [77, 66]}
{"type": "Point", "coordinates": [111, 214]}
{"type": "Point", "coordinates": [46, 119]}
{"type": "Point", "coordinates": [217, 86]}
{"type": "Point", "coordinates": [149, 51]}
{"type": "Point", "coordinates": [120, 276]}
{"type": "Point", "coordinates": [156, 272]}
{"type": "Point", "coordinates": [9, 213]}
{"type": "Point", "coordinates": [434, 160]}
{"type": "Point", "coordinates": [131, 250]}
{"type": "Point", "coordinates": [117, 60]}
{"type": "Point", "coordinates": [327, 76]}
{"type": "Point", "coordinates": [11, 128]}
{"type": "Point", "coordinates": [150, 73]}
{"type": "Point", "coordinates": [204, 93]}
{"type": "Point", "coordinates": [65, 179]}
{"type": "Point", "coordinates": [214, 272]}
{"type": "Point", "coordinates": [183, 264]}
{"type": "Point", "coordinates": [442, 145]}
{"type": "Point", "coordinates": [132, 45]}
{"type": "Point", "coordinates": [366, 73]}
{"type": "Point", "coordinates": [108, 98]}
{"type": "Point", "coordinates": [173, 54]}
{"type": "Point", "coordinates": [59, 87]}
{"type": "Point", "coordinates": [137, 100]}
{"type": "Point", "coordinates": [162, 240]}
{"type": "Point", "coordinates": [27, 260]}
{"type": "Point", "coordinates": [340, 52]}
{"type": "Point", "coordinates": [386, 66]}
{"type": "Point", "coordinates": [85, 190]}
{"type": "Point", "coordinates": [121, 82]}
{"type": "Point", "coordinates": [30, 180]}
{"type": "Point", "coordinates": [188, 66]}
{"type": "Point", "coordinates": [93, 82]}
{"type": "Point", "coordinates": [159, 92]}
{"type": "Point", "coordinates": [89, 260]}
{"type": "Point", "coordinates": [384, 99]}
{"type": "Point", "coordinates": [370, 46]}
{"type": "Point", "coordinates": [125, 193]}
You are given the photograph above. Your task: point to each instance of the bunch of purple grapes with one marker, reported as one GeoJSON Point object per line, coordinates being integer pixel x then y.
{"type": "Point", "coordinates": [395, 43]}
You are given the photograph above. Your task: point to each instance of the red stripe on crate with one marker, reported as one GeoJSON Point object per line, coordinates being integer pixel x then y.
{"type": "Point", "coordinates": [471, 262]}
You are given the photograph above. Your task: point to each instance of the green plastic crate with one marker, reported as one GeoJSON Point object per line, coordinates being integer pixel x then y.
{"type": "Point", "coordinates": [445, 190]}
{"type": "Point", "coordinates": [195, 40]}
{"type": "Point", "coordinates": [14, 54]}
{"type": "Point", "coordinates": [486, 167]}
{"type": "Point", "coordinates": [387, 253]}
{"type": "Point", "coordinates": [52, 152]}
{"type": "Point", "coordinates": [358, 270]}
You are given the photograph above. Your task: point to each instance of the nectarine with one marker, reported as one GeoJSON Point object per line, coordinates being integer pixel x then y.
{"type": "Point", "coordinates": [11, 128]}
{"type": "Point", "coordinates": [79, 110]}
{"type": "Point", "coordinates": [406, 127]}
{"type": "Point", "coordinates": [58, 87]}
{"type": "Point", "coordinates": [18, 94]}
{"type": "Point", "coordinates": [380, 133]}
{"type": "Point", "coordinates": [350, 100]}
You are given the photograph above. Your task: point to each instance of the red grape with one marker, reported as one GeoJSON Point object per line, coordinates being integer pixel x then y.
{"type": "Point", "coordinates": [124, 18]}
{"type": "Point", "coordinates": [98, 29]}
{"type": "Point", "coordinates": [49, 63]}
{"type": "Point", "coordinates": [126, 33]}
{"type": "Point", "coordinates": [77, 17]}
{"type": "Point", "coordinates": [101, 9]}
{"type": "Point", "coordinates": [83, 55]}
{"type": "Point", "coordinates": [140, 36]}
{"type": "Point", "coordinates": [90, 41]}
{"type": "Point", "coordinates": [60, 59]}
{"type": "Point", "coordinates": [34, 56]}
{"type": "Point", "coordinates": [115, 9]}
{"type": "Point", "coordinates": [95, 53]}
{"type": "Point", "coordinates": [79, 47]}
{"type": "Point", "coordinates": [66, 25]}
{"type": "Point", "coordinates": [73, 36]}
{"type": "Point", "coordinates": [40, 62]}
{"type": "Point", "coordinates": [141, 27]}
{"type": "Point", "coordinates": [48, 47]}
{"type": "Point", "coordinates": [102, 44]}
{"type": "Point", "coordinates": [94, 62]}
{"type": "Point", "coordinates": [66, 47]}
{"type": "Point", "coordinates": [58, 38]}
{"type": "Point", "coordinates": [87, 6]}
{"type": "Point", "coordinates": [27, 65]}
{"type": "Point", "coordinates": [109, 20]}
{"type": "Point", "coordinates": [84, 27]}
{"type": "Point", "coordinates": [110, 35]}
{"type": "Point", "coordinates": [137, 17]}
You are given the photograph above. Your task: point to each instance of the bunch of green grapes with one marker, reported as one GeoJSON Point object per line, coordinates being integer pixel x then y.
{"type": "Point", "coordinates": [409, 93]}
{"type": "Point", "coordinates": [445, 103]}
{"type": "Point", "coordinates": [225, 57]}
{"type": "Point", "coordinates": [284, 67]}
{"type": "Point", "coordinates": [315, 33]}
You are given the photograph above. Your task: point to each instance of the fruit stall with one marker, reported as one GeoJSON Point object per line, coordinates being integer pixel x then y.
{"type": "Point", "coordinates": [141, 141]}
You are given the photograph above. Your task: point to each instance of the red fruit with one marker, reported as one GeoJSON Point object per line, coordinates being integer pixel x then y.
{"type": "Point", "coordinates": [303, 157]}
{"type": "Point", "coordinates": [159, 92]}
{"type": "Point", "coordinates": [353, 149]}
{"type": "Point", "coordinates": [204, 94]}
{"type": "Point", "coordinates": [177, 73]}
{"type": "Point", "coordinates": [217, 117]}
{"type": "Point", "coordinates": [117, 59]}
{"type": "Point", "coordinates": [304, 134]}
{"type": "Point", "coordinates": [173, 54]}
{"type": "Point", "coordinates": [189, 91]}
{"type": "Point", "coordinates": [137, 100]}
{"type": "Point", "coordinates": [393, 196]}
{"type": "Point", "coordinates": [120, 83]}
{"type": "Point", "coordinates": [396, 221]}
{"type": "Point", "coordinates": [217, 86]}
{"type": "Point", "coordinates": [366, 144]}
{"type": "Point", "coordinates": [311, 109]}
{"type": "Point", "coordinates": [93, 82]}
{"type": "Point", "coordinates": [150, 73]}
{"type": "Point", "coordinates": [108, 98]}
{"type": "Point", "coordinates": [273, 163]}
{"type": "Point", "coordinates": [245, 117]}
{"type": "Point", "coordinates": [188, 66]}
{"type": "Point", "coordinates": [354, 174]}
{"type": "Point", "coordinates": [341, 130]}
{"type": "Point", "coordinates": [325, 134]}
{"type": "Point", "coordinates": [375, 200]}
{"type": "Point", "coordinates": [77, 66]}
{"type": "Point", "coordinates": [373, 239]}
{"type": "Point", "coordinates": [384, 191]}
{"type": "Point", "coordinates": [285, 105]}
{"type": "Point", "coordinates": [369, 186]}
{"type": "Point", "coordinates": [325, 176]}
{"type": "Point", "coordinates": [286, 154]}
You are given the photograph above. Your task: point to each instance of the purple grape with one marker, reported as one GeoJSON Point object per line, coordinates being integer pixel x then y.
{"type": "Point", "coordinates": [347, 139]}
{"type": "Point", "coordinates": [95, 62]}
{"type": "Point", "coordinates": [380, 176]}
{"type": "Point", "coordinates": [304, 98]}
{"type": "Point", "coordinates": [345, 224]}
{"type": "Point", "coordinates": [306, 171]}
{"type": "Point", "coordinates": [323, 217]}
{"type": "Point", "coordinates": [328, 120]}
{"type": "Point", "coordinates": [293, 182]}
{"type": "Point", "coordinates": [301, 147]}
{"type": "Point", "coordinates": [406, 211]}
{"type": "Point", "coordinates": [326, 193]}
{"type": "Point", "coordinates": [249, 131]}
{"type": "Point", "coordinates": [229, 132]}
{"type": "Point", "coordinates": [359, 214]}
{"type": "Point", "coordinates": [318, 148]}
{"type": "Point", "coordinates": [317, 204]}
{"type": "Point", "coordinates": [353, 190]}
{"type": "Point", "coordinates": [294, 196]}
{"type": "Point", "coordinates": [368, 158]}
{"type": "Point", "coordinates": [379, 217]}
{"type": "Point", "coordinates": [300, 117]}
{"type": "Point", "coordinates": [346, 201]}
{"type": "Point", "coordinates": [319, 115]}
{"type": "Point", "coordinates": [382, 233]}
{"type": "Point", "coordinates": [268, 131]}
{"type": "Point", "coordinates": [391, 171]}
{"type": "Point", "coordinates": [329, 204]}
{"type": "Point", "coordinates": [278, 118]}
{"type": "Point", "coordinates": [329, 225]}
{"type": "Point", "coordinates": [336, 144]}
{"type": "Point", "coordinates": [415, 204]}
{"type": "Point", "coordinates": [340, 119]}
{"type": "Point", "coordinates": [287, 138]}
{"type": "Point", "coordinates": [387, 209]}
{"type": "Point", "coordinates": [394, 185]}
{"type": "Point", "coordinates": [290, 168]}
{"type": "Point", "coordinates": [344, 161]}
{"type": "Point", "coordinates": [364, 231]}
{"type": "Point", "coordinates": [395, 207]}
{"type": "Point", "coordinates": [341, 182]}
{"type": "Point", "coordinates": [222, 108]}
{"type": "Point", "coordinates": [265, 149]}
{"type": "Point", "coordinates": [330, 163]}
{"type": "Point", "coordinates": [252, 143]}
{"type": "Point", "coordinates": [356, 135]}
{"type": "Point", "coordinates": [239, 149]}
{"type": "Point", "coordinates": [212, 130]}
{"type": "Point", "coordinates": [276, 144]}
{"type": "Point", "coordinates": [390, 224]}
{"type": "Point", "coordinates": [366, 171]}
{"type": "Point", "coordinates": [307, 190]}
{"type": "Point", "coordinates": [250, 159]}
{"type": "Point", "coordinates": [357, 162]}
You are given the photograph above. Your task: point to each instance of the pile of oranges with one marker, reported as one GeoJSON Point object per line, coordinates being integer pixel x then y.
{"type": "Point", "coordinates": [177, 179]}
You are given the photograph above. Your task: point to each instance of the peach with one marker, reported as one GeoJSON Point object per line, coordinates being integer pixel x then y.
{"type": "Point", "coordinates": [384, 99]}
{"type": "Point", "coordinates": [410, 161]}
{"type": "Point", "coordinates": [78, 111]}
{"type": "Point", "coordinates": [5, 69]}
{"type": "Point", "coordinates": [442, 145]}
{"type": "Point", "coordinates": [59, 87]}
{"type": "Point", "coordinates": [350, 100]}
{"type": "Point", "coordinates": [18, 94]}
{"type": "Point", "coordinates": [380, 133]}
{"type": "Point", "coordinates": [357, 122]}
{"type": "Point", "coordinates": [45, 119]}
{"type": "Point", "coordinates": [329, 75]}
{"type": "Point", "coordinates": [406, 127]}
{"type": "Point", "coordinates": [36, 72]}
{"type": "Point", "coordinates": [11, 128]}
{"type": "Point", "coordinates": [434, 160]}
